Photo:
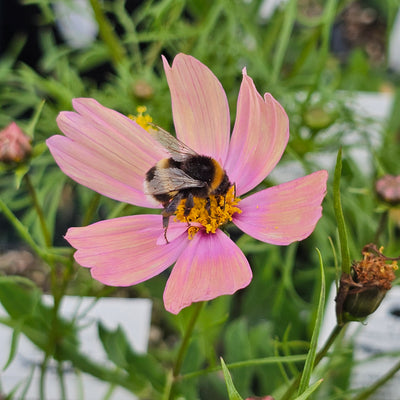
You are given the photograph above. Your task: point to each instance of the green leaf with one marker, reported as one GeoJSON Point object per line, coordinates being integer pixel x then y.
{"type": "Point", "coordinates": [309, 364]}
{"type": "Point", "coordinates": [38, 149]}
{"type": "Point", "coordinates": [30, 130]}
{"type": "Point", "coordinates": [22, 301]}
{"type": "Point", "coordinates": [238, 348]}
{"type": "Point", "coordinates": [19, 296]}
{"type": "Point", "coordinates": [309, 391]}
{"type": "Point", "coordinates": [232, 392]}
{"type": "Point", "coordinates": [337, 205]}
{"type": "Point", "coordinates": [142, 368]}
{"type": "Point", "coordinates": [19, 173]}
{"type": "Point", "coordinates": [14, 345]}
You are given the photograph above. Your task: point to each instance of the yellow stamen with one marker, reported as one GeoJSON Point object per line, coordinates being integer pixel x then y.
{"type": "Point", "coordinates": [141, 118]}
{"type": "Point", "coordinates": [211, 213]}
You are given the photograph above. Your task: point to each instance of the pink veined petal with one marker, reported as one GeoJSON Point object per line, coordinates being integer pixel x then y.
{"type": "Point", "coordinates": [123, 251]}
{"type": "Point", "coordinates": [285, 213]}
{"type": "Point", "coordinates": [211, 266]}
{"type": "Point", "coordinates": [259, 137]}
{"type": "Point", "coordinates": [199, 106]}
{"type": "Point", "coordinates": [105, 151]}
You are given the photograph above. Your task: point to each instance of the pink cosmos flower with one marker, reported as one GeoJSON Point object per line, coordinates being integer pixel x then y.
{"type": "Point", "coordinates": [110, 153]}
{"type": "Point", "coordinates": [15, 146]}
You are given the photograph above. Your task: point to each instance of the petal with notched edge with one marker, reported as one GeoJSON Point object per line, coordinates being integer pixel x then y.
{"type": "Point", "coordinates": [105, 151]}
{"type": "Point", "coordinates": [259, 137]}
{"type": "Point", "coordinates": [285, 213]}
{"type": "Point", "coordinates": [199, 106]}
{"type": "Point", "coordinates": [211, 266]}
{"type": "Point", "coordinates": [123, 251]}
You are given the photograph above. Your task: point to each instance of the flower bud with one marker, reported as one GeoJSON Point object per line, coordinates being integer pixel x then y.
{"type": "Point", "coordinates": [142, 90]}
{"type": "Point", "coordinates": [388, 188]}
{"type": "Point", "coordinates": [361, 292]}
{"type": "Point", "coordinates": [15, 146]}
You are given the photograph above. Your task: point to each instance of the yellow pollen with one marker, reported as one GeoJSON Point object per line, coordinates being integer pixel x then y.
{"type": "Point", "coordinates": [211, 213]}
{"type": "Point", "coordinates": [141, 118]}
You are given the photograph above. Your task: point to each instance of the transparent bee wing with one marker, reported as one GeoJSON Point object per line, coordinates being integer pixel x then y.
{"type": "Point", "coordinates": [167, 180]}
{"type": "Point", "coordinates": [178, 150]}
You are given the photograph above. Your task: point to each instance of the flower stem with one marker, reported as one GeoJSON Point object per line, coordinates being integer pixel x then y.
{"type": "Point", "coordinates": [284, 38]}
{"type": "Point", "coordinates": [117, 52]}
{"type": "Point", "coordinates": [168, 391]}
{"type": "Point", "coordinates": [91, 210]}
{"type": "Point", "coordinates": [60, 373]}
{"type": "Point", "coordinates": [320, 355]}
{"type": "Point", "coordinates": [39, 210]}
{"type": "Point", "coordinates": [247, 364]}
{"type": "Point", "coordinates": [43, 370]}
{"type": "Point", "coordinates": [57, 291]}
{"type": "Point", "coordinates": [381, 226]}
{"type": "Point", "coordinates": [186, 339]}
{"type": "Point", "coordinates": [21, 229]}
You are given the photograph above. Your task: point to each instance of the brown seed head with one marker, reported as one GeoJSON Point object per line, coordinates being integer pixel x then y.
{"type": "Point", "coordinates": [361, 293]}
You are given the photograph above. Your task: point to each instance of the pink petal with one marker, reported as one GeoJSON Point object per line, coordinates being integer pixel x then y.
{"type": "Point", "coordinates": [285, 213]}
{"type": "Point", "coordinates": [211, 266]}
{"type": "Point", "coordinates": [259, 137]}
{"type": "Point", "coordinates": [123, 251]}
{"type": "Point", "coordinates": [200, 107]}
{"type": "Point", "coordinates": [105, 151]}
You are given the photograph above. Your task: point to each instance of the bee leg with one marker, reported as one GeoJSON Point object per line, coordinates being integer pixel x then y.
{"type": "Point", "coordinates": [208, 205]}
{"type": "Point", "coordinates": [165, 222]}
{"type": "Point", "coordinates": [169, 209]}
{"type": "Point", "coordinates": [188, 205]}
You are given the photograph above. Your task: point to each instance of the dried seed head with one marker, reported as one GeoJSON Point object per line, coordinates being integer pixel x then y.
{"type": "Point", "coordinates": [361, 293]}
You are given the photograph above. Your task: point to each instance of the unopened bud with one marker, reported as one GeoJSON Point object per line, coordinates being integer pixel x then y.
{"type": "Point", "coordinates": [143, 90]}
{"type": "Point", "coordinates": [388, 188]}
{"type": "Point", "coordinates": [15, 146]}
{"type": "Point", "coordinates": [361, 292]}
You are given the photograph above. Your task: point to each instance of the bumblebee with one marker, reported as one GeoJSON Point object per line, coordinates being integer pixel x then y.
{"type": "Point", "coordinates": [184, 175]}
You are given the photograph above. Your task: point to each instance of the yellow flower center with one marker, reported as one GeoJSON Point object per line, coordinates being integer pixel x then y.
{"type": "Point", "coordinates": [211, 212]}
{"type": "Point", "coordinates": [141, 118]}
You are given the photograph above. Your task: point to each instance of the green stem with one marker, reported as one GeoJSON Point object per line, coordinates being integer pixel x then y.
{"type": "Point", "coordinates": [20, 228]}
{"type": "Point", "coordinates": [327, 23]}
{"type": "Point", "coordinates": [381, 226]}
{"type": "Point", "coordinates": [320, 355]}
{"type": "Point", "coordinates": [337, 205]}
{"type": "Point", "coordinates": [91, 210]}
{"type": "Point", "coordinates": [60, 373]}
{"type": "Point", "coordinates": [43, 369]}
{"type": "Point", "coordinates": [39, 210]}
{"type": "Point", "coordinates": [107, 34]}
{"type": "Point", "coordinates": [246, 364]}
{"type": "Point", "coordinates": [186, 338]}
{"type": "Point", "coordinates": [379, 383]}
{"type": "Point", "coordinates": [57, 291]}
{"type": "Point", "coordinates": [51, 257]}
{"type": "Point", "coordinates": [168, 391]}
{"type": "Point", "coordinates": [283, 40]}
{"type": "Point", "coordinates": [68, 351]}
